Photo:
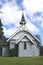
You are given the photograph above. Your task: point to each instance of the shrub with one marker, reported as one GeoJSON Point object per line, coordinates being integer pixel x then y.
{"type": "Point", "coordinates": [41, 50]}
{"type": "Point", "coordinates": [0, 49]}
{"type": "Point", "coordinates": [12, 52]}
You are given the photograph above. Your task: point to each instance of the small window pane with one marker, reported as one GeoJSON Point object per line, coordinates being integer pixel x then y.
{"type": "Point", "coordinates": [24, 45]}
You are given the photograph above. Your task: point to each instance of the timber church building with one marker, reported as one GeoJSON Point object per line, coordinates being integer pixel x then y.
{"type": "Point", "coordinates": [25, 43]}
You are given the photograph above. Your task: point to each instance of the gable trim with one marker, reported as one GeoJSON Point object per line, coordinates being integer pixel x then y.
{"type": "Point", "coordinates": [20, 29]}
{"type": "Point", "coordinates": [13, 34]}
{"type": "Point", "coordinates": [22, 37]}
{"type": "Point", "coordinates": [33, 35]}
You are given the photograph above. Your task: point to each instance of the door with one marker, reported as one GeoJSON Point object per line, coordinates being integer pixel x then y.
{"type": "Point", "coordinates": [16, 50]}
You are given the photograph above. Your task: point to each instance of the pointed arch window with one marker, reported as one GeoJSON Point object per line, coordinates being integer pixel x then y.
{"type": "Point", "coordinates": [24, 45]}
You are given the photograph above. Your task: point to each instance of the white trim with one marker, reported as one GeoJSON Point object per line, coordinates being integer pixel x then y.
{"type": "Point", "coordinates": [23, 28]}
{"type": "Point", "coordinates": [27, 37]}
{"type": "Point", "coordinates": [33, 35]}
{"type": "Point", "coordinates": [13, 34]}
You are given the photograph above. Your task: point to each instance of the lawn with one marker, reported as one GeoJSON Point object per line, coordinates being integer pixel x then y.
{"type": "Point", "coordinates": [21, 61]}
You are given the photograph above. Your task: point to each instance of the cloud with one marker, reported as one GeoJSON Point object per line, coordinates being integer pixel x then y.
{"type": "Point", "coordinates": [30, 26]}
{"type": "Point", "coordinates": [34, 29]}
{"type": "Point", "coordinates": [12, 15]}
{"type": "Point", "coordinates": [8, 32]}
{"type": "Point", "coordinates": [33, 5]}
{"type": "Point", "coordinates": [38, 19]}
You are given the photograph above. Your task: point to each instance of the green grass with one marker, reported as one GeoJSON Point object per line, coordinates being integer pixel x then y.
{"type": "Point", "coordinates": [21, 61]}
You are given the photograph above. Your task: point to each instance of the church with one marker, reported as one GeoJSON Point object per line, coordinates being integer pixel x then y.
{"type": "Point", "coordinates": [25, 43]}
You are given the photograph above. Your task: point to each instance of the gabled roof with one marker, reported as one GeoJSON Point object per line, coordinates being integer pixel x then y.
{"type": "Point", "coordinates": [22, 38]}
{"type": "Point", "coordinates": [23, 27]}
{"type": "Point", "coordinates": [33, 35]}
{"type": "Point", "coordinates": [13, 34]}
{"type": "Point", "coordinates": [20, 29]}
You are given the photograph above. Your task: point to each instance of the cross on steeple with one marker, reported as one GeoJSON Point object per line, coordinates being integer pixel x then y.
{"type": "Point", "coordinates": [22, 22]}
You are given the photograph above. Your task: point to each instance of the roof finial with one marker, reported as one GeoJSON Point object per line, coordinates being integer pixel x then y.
{"type": "Point", "coordinates": [22, 22]}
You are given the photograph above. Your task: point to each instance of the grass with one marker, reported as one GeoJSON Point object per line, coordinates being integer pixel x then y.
{"type": "Point", "coordinates": [21, 61]}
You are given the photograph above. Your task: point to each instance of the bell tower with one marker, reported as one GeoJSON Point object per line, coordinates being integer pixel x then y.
{"type": "Point", "coordinates": [22, 22]}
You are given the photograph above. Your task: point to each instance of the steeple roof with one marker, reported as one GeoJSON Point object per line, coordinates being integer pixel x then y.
{"type": "Point", "coordinates": [22, 22]}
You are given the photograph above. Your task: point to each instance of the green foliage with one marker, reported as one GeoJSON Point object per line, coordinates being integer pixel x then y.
{"type": "Point", "coordinates": [41, 50]}
{"type": "Point", "coordinates": [21, 61]}
{"type": "Point", "coordinates": [12, 52]}
{"type": "Point", "coordinates": [1, 37]}
{"type": "Point", "coordinates": [0, 46]}
{"type": "Point", "coordinates": [0, 49]}
{"type": "Point", "coordinates": [1, 31]}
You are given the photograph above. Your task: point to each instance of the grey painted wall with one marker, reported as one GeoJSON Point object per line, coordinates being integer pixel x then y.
{"type": "Point", "coordinates": [30, 51]}
{"type": "Point", "coordinates": [5, 51]}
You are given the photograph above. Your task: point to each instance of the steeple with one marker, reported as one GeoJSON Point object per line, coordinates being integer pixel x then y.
{"type": "Point", "coordinates": [22, 22]}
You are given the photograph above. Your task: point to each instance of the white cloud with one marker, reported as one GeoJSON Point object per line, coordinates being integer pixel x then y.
{"type": "Point", "coordinates": [39, 20]}
{"type": "Point", "coordinates": [8, 32]}
{"type": "Point", "coordinates": [12, 14]}
{"type": "Point", "coordinates": [7, 15]}
{"type": "Point", "coordinates": [32, 28]}
{"type": "Point", "coordinates": [33, 5]}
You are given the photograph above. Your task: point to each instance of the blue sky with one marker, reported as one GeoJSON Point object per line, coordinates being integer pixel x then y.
{"type": "Point", "coordinates": [12, 12]}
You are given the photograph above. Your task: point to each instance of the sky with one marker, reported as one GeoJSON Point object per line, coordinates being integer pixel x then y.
{"type": "Point", "coordinates": [11, 12]}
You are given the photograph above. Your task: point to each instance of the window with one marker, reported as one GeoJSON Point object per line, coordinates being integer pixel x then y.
{"type": "Point", "coordinates": [24, 45]}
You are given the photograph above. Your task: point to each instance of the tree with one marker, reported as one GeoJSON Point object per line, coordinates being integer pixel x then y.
{"type": "Point", "coordinates": [1, 31]}
{"type": "Point", "coordinates": [1, 37]}
{"type": "Point", "coordinates": [41, 50]}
